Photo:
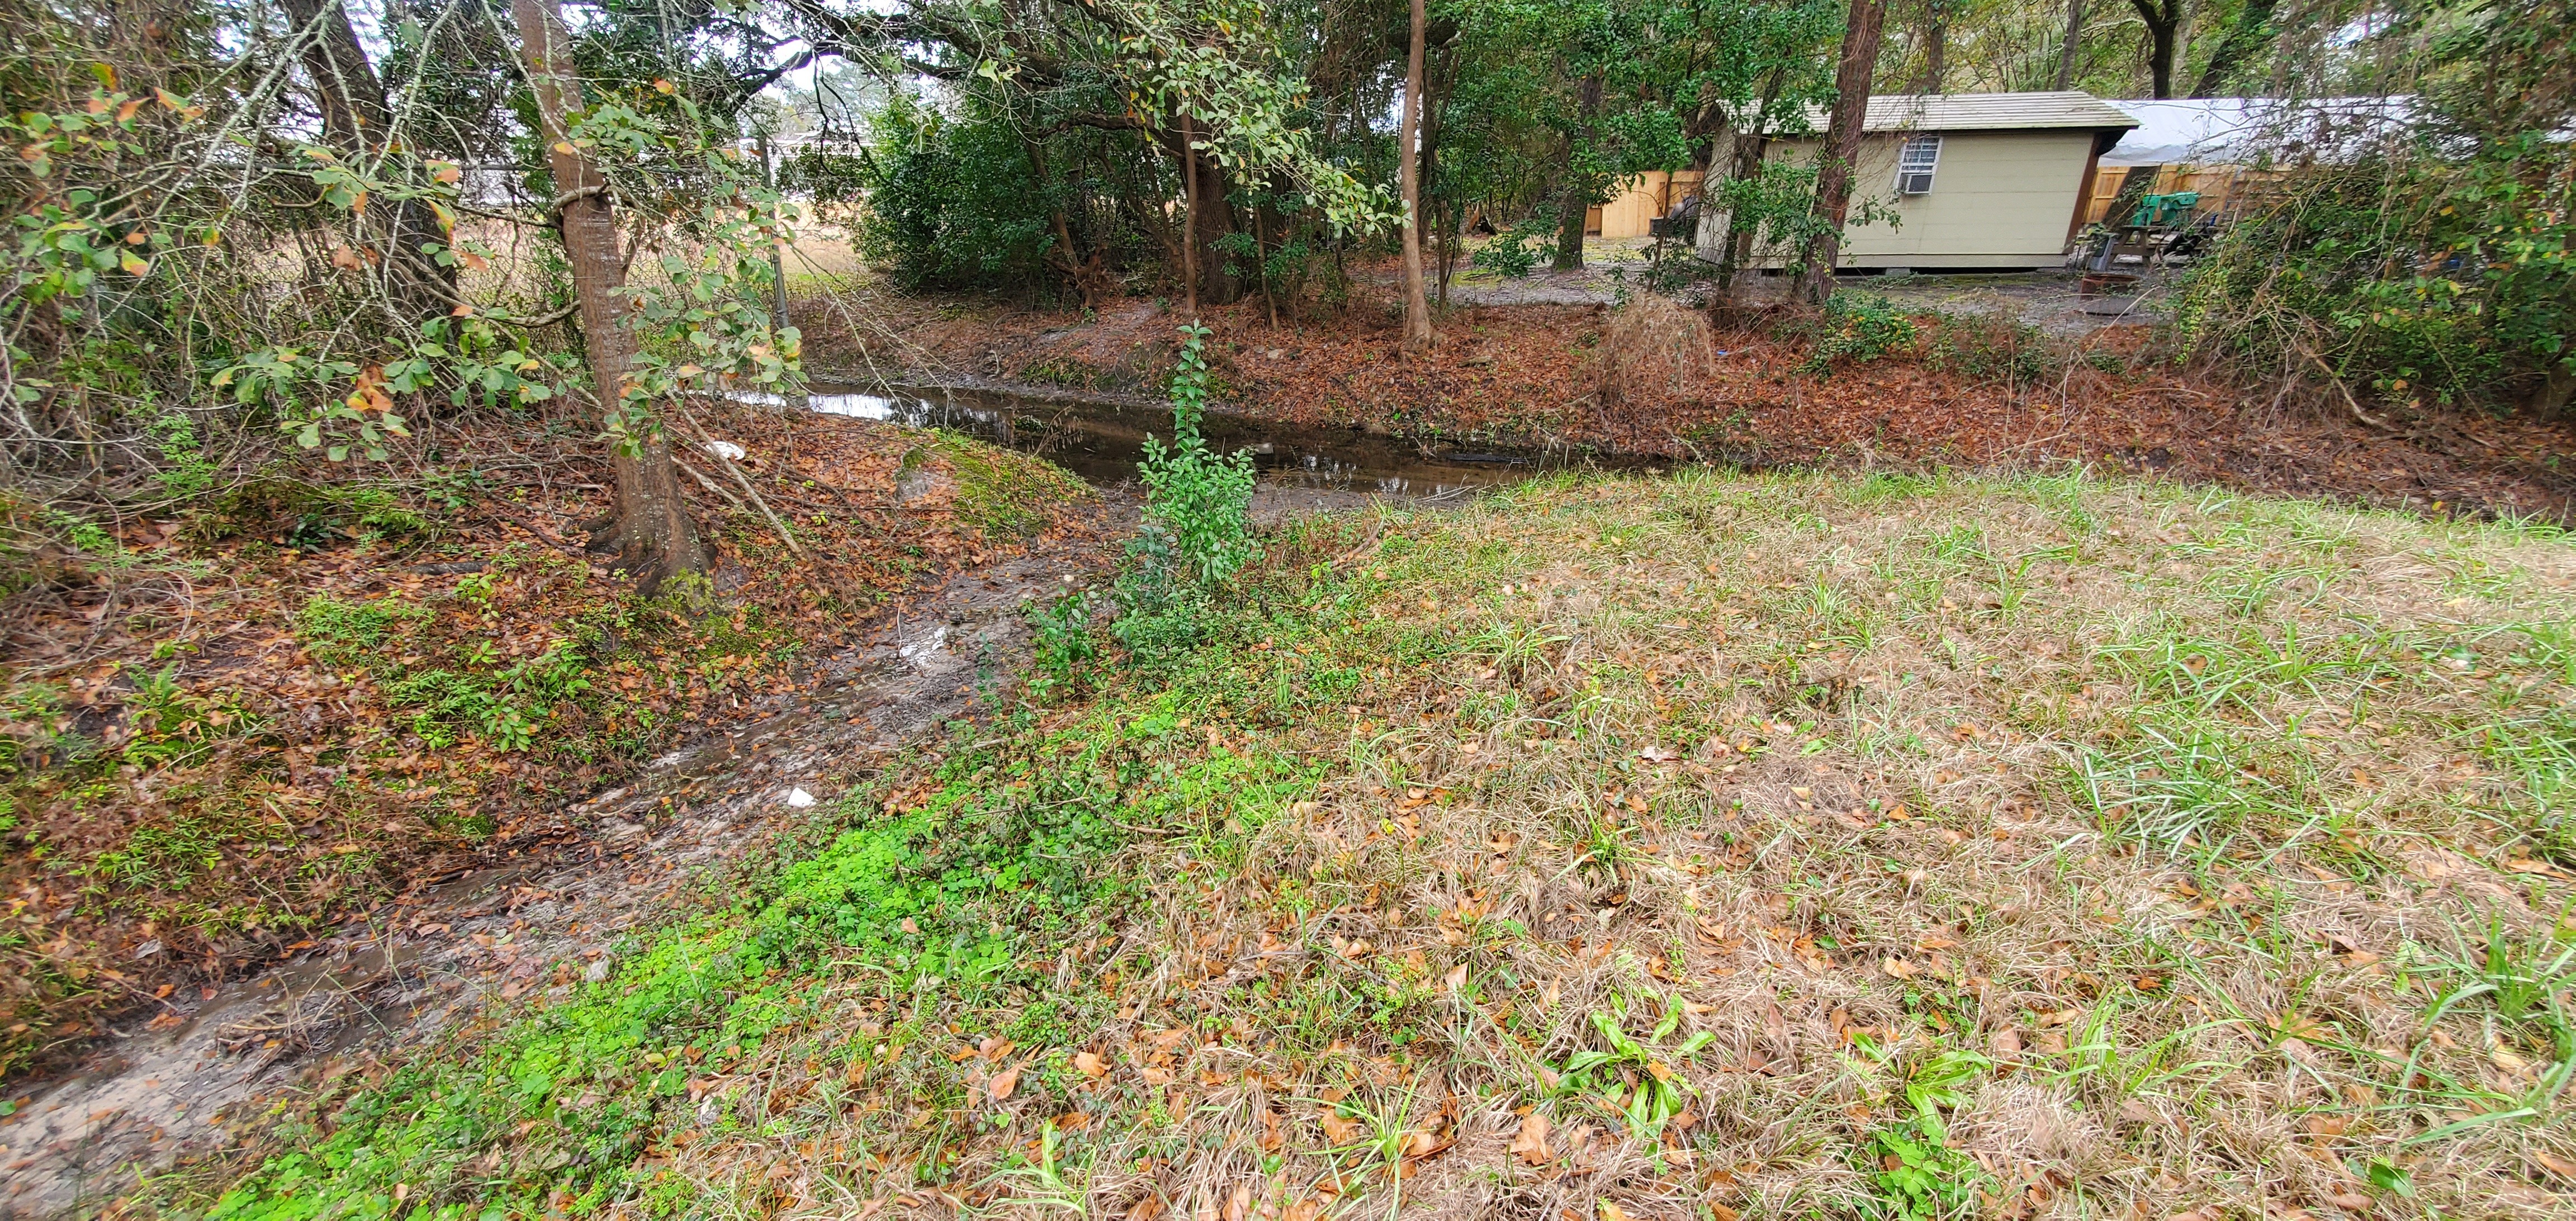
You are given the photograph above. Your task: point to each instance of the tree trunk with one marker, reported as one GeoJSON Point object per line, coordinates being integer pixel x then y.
{"type": "Point", "coordinates": [2252, 29]}
{"type": "Point", "coordinates": [1735, 238]}
{"type": "Point", "coordinates": [2163, 20]}
{"type": "Point", "coordinates": [1735, 241]}
{"type": "Point", "coordinates": [1418, 335]}
{"type": "Point", "coordinates": [1713, 168]}
{"type": "Point", "coordinates": [1261, 264]}
{"type": "Point", "coordinates": [2066, 52]}
{"type": "Point", "coordinates": [1842, 145]}
{"type": "Point", "coordinates": [651, 532]}
{"type": "Point", "coordinates": [1933, 39]}
{"type": "Point", "coordinates": [792, 396]}
{"type": "Point", "coordinates": [357, 121]}
{"type": "Point", "coordinates": [1211, 222]}
{"type": "Point", "coordinates": [1444, 220]}
{"type": "Point", "coordinates": [345, 86]}
{"type": "Point", "coordinates": [1189, 216]}
{"type": "Point", "coordinates": [1577, 205]}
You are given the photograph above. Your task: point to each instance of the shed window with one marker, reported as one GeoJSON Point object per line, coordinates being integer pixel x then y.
{"type": "Point", "coordinates": [1915, 163]}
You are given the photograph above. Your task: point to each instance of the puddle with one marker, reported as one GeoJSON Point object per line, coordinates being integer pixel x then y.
{"type": "Point", "coordinates": [1101, 440]}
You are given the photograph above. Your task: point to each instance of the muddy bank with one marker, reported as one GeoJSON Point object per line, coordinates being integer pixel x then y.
{"type": "Point", "coordinates": [328, 686]}
{"type": "Point", "coordinates": [440, 963]}
{"type": "Point", "coordinates": [1524, 378]}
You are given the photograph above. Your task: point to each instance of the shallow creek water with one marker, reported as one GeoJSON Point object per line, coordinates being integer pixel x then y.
{"type": "Point", "coordinates": [1302, 469]}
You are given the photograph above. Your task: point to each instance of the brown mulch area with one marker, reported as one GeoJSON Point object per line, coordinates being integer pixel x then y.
{"type": "Point", "coordinates": [1524, 375]}
{"type": "Point", "coordinates": [199, 780]}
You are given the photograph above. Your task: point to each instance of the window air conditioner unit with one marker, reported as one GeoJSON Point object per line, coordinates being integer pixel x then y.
{"type": "Point", "coordinates": [1915, 162]}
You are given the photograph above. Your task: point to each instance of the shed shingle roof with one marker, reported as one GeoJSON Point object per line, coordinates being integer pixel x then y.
{"type": "Point", "coordinates": [1986, 112]}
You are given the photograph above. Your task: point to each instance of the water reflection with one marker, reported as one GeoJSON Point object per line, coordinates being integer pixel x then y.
{"type": "Point", "coordinates": [1102, 441]}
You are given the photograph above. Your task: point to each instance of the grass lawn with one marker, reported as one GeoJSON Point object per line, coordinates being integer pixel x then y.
{"type": "Point", "coordinates": [1715, 846]}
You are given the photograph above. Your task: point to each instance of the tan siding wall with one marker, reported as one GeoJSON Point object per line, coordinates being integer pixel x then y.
{"type": "Point", "coordinates": [1999, 199]}
{"type": "Point", "coordinates": [1642, 198]}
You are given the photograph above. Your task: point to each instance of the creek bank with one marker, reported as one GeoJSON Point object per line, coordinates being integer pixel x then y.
{"type": "Point", "coordinates": [1523, 378]}
{"type": "Point", "coordinates": [456, 957]}
{"type": "Point", "coordinates": [243, 725]}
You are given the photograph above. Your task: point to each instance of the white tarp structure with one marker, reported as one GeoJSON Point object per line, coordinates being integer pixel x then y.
{"type": "Point", "coordinates": [2256, 131]}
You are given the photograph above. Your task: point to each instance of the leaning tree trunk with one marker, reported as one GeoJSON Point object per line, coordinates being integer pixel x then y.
{"type": "Point", "coordinates": [2253, 28]}
{"type": "Point", "coordinates": [1750, 148]}
{"type": "Point", "coordinates": [2164, 22]}
{"type": "Point", "coordinates": [358, 122]}
{"type": "Point", "coordinates": [1842, 145]}
{"type": "Point", "coordinates": [650, 531]}
{"type": "Point", "coordinates": [2067, 50]}
{"type": "Point", "coordinates": [1418, 335]}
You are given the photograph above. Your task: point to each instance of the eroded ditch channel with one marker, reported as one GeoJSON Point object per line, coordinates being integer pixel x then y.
{"type": "Point", "coordinates": [1302, 469]}
{"type": "Point", "coordinates": [536, 921]}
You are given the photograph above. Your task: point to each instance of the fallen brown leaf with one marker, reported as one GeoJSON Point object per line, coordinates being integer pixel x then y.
{"type": "Point", "coordinates": [1531, 1142]}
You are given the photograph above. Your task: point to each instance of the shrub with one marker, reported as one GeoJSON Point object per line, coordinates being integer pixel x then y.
{"type": "Point", "coordinates": [1858, 326]}
{"type": "Point", "coordinates": [1516, 251]}
{"type": "Point", "coordinates": [950, 204]}
{"type": "Point", "coordinates": [1061, 649]}
{"type": "Point", "coordinates": [2439, 267]}
{"type": "Point", "coordinates": [1198, 521]}
{"type": "Point", "coordinates": [1991, 347]}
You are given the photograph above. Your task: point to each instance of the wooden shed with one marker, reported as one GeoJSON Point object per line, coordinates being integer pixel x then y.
{"type": "Point", "coordinates": [1641, 198]}
{"type": "Point", "coordinates": [1973, 181]}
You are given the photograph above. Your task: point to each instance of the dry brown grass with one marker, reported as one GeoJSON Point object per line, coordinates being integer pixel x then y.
{"type": "Point", "coordinates": [1857, 777]}
{"type": "Point", "coordinates": [1653, 346]}
{"type": "Point", "coordinates": [1844, 768]}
